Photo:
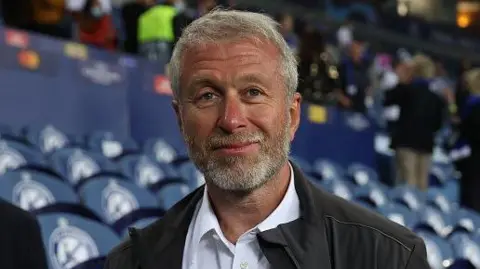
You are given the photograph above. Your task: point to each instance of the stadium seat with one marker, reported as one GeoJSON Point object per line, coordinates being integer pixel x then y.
{"type": "Point", "coordinates": [119, 202]}
{"type": "Point", "coordinates": [46, 138]}
{"type": "Point", "coordinates": [146, 172]}
{"type": "Point", "coordinates": [436, 198]}
{"type": "Point", "coordinates": [466, 250]}
{"type": "Point", "coordinates": [465, 220]}
{"type": "Point", "coordinates": [433, 220]}
{"type": "Point", "coordinates": [169, 194]}
{"type": "Point", "coordinates": [33, 190]}
{"type": "Point", "coordinates": [110, 145]}
{"type": "Point", "coordinates": [440, 174]}
{"type": "Point", "coordinates": [76, 165]}
{"type": "Point", "coordinates": [71, 240]}
{"type": "Point", "coordinates": [340, 188]}
{"type": "Point", "coordinates": [408, 196]}
{"type": "Point", "coordinates": [14, 155]}
{"type": "Point", "coordinates": [302, 163]}
{"type": "Point", "coordinates": [400, 214]}
{"type": "Point", "coordinates": [191, 175]}
{"type": "Point", "coordinates": [372, 195]}
{"type": "Point", "coordinates": [361, 174]}
{"type": "Point", "coordinates": [8, 132]}
{"type": "Point", "coordinates": [160, 150]}
{"type": "Point", "coordinates": [439, 252]}
{"type": "Point", "coordinates": [328, 169]}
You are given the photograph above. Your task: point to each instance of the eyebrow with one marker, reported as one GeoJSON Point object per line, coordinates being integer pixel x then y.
{"type": "Point", "coordinates": [252, 78]}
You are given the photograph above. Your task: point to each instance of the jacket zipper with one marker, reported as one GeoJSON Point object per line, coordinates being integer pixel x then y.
{"type": "Point", "coordinates": [292, 257]}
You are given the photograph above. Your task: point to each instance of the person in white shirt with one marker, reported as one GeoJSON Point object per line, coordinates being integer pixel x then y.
{"type": "Point", "coordinates": [234, 81]}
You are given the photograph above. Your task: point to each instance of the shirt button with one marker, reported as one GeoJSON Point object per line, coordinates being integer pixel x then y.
{"type": "Point", "coordinates": [244, 265]}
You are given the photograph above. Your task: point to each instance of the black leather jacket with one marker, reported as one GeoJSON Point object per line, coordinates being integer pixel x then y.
{"type": "Point", "coordinates": [331, 234]}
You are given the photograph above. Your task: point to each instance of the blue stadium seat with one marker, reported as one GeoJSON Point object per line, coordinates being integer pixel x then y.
{"type": "Point", "coordinates": [160, 150]}
{"type": "Point", "coordinates": [434, 221]}
{"type": "Point", "coordinates": [439, 252]}
{"type": "Point", "coordinates": [146, 172]}
{"type": "Point", "coordinates": [109, 144]}
{"type": "Point", "coordinates": [400, 214]}
{"type": "Point", "coordinates": [409, 196]}
{"type": "Point", "coordinates": [46, 138]}
{"type": "Point", "coordinates": [191, 175]}
{"type": "Point", "coordinates": [171, 193]}
{"type": "Point", "coordinates": [440, 174]}
{"type": "Point", "coordinates": [466, 250]}
{"type": "Point", "coordinates": [14, 154]}
{"type": "Point", "coordinates": [8, 132]}
{"type": "Point", "coordinates": [71, 240]}
{"type": "Point", "coordinates": [362, 175]}
{"type": "Point", "coordinates": [76, 165]}
{"type": "Point", "coordinates": [302, 163]}
{"type": "Point", "coordinates": [451, 189]}
{"type": "Point", "coordinates": [328, 169]}
{"type": "Point", "coordinates": [436, 198]}
{"type": "Point", "coordinates": [140, 224]}
{"type": "Point", "coordinates": [340, 188]}
{"type": "Point", "coordinates": [372, 195]}
{"type": "Point", "coordinates": [119, 202]}
{"type": "Point", "coordinates": [465, 220]}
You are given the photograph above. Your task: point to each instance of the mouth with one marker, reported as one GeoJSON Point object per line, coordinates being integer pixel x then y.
{"type": "Point", "coordinates": [237, 148]}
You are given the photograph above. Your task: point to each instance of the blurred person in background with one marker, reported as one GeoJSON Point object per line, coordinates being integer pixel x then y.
{"type": "Point", "coordinates": [21, 245]}
{"type": "Point", "coordinates": [286, 27]}
{"type": "Point", "coordinates": [345, 35]}
{"type": "Point", "coordinates": [95, 23]}
{"type": "Point", "coordinates": [17, 14]}
{"type": "Point", "coordinates": [354, 77]}
{"type": "Point", "coordinates": [421, 115]}
{"type": "Point", "coordinates": [188, 15]}
{"type": "Point", "coordinates": [469, 128]}
{"type": "Point", "coordinates": [48, 18]}
{"type": "Point", "coordinates": [131, 13]}
{"type": "Point", "coordinates": [318, 75]}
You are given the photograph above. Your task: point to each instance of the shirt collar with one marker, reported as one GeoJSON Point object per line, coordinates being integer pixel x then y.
{"type": "Point", "coordinates": [288, 210]}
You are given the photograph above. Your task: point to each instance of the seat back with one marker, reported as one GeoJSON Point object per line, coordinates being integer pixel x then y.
{"type": "Point", "coordinates": [328, 169]}
{"type": "Point", "coordinates": [160, 150]}
{"type": "Point", "coordinates": [109, 144]}
{"type": "Point", "coordinates": [400, 214]}
{"type": "Point", "coordinates": [408, 196]}
{"type": "Point", "coordinates": [172, 193]}
{"type": "Point", "coordinates": [191, 175]}
{"type": "Point", "coordinates": [46, 138]}
{"type": "Point", "coordinates": [362, 175]}
{"type": "Point", "coordinates": [71, 240]}
{"type": "Point", "coordinates": [465, 248]}
{"type": "Point", "coordinates": [439, 251]}
{"type": "Point", "coordinates": [14, 155]}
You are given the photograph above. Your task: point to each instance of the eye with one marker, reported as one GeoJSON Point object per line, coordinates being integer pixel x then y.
{"type": "Point", "coordinates": [254, 92]}
{"type": "Point", "coordinates": [207, 96]}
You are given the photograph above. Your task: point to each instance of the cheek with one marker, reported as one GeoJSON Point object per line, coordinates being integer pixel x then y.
{"type": "Point", "coordinates": [269, 119]}
{"type": "Point", "coordinates": [198, 124]}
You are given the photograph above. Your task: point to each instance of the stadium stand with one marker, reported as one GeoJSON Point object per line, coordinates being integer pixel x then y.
{"type": "Point", "coordinates": [87, 185]}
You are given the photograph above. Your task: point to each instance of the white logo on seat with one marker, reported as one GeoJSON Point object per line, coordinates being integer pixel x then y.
{"type": "Point", "coordinates": [10, 158]}
{"type": "Point", "coordinates": [163, 152]}
{"type": "Point", "coordinates": [117, 201]}
{"type": "Point", "coordinates": [81, 166]}
{"type": "Point", "coordinates": [70, 246]}
{"type": "Point", "coordinates": [30, 195]}
{"type": "Point", "coordinates": [52, 139]}
{"type": "Point", "coordinates": [147, 172]}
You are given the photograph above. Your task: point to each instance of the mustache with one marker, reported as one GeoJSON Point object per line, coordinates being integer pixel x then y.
{"type": "Point", "coordinates": [218, 141]}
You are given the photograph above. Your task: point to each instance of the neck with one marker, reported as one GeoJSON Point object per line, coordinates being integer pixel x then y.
{"type": "Point", "coordinates": [239, 212]}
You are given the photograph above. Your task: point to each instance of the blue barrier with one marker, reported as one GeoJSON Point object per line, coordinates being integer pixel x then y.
{"type": "Point", "coordinates": [81, 89]}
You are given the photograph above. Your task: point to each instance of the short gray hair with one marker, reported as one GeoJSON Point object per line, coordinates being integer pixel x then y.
{"type": "Point", "coordinates": [225, 25]}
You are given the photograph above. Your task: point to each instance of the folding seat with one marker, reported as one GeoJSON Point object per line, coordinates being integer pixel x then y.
{"type": "Point", "coordinates": [14, 154]}
{"type": "Point", "coordinates": [160, 150]}
{"type": "Point", "coordinates": [303, 164]}
{"type": "Point", "coordinates": [466, 251]}
{"type": "Point", "coordinates": [436, 198]}
{"type": "Point", "coordinates": [328, 169]}
{"type": "Point", "coordinates": [465, 220]}
{"type": "Point", "coordinates": [72, 241]}
{"type": "Point", "coordinates": [189, 172]}
{"type": "Point", "coordinates": [434, 221]}
{"type": "Point", "coordinates": [146, 172]}
{"type": "Point", "coordinates": [409, 196]}
{"type": "Point", "coordinates": [362, 175]}
{"type": "Point", "coordinates": [440, 174]}
{"type": "Point", "coordinates": [169, 194]}
{"type": "Point", "coordinates": [439, 252]}
{"type": "Point", "coordinates": [109, 144]}
{"type": "Point", "coordinates": [374, 195]}
{"type": "Point", "coordinates": [400, 214]}
{"type": "Point", "coordinates": [339, 188]}
{"type": "Point", "coordinates": [76, 165]}
{"type": "Point", "coordinates": [46, 138]}
{"type": "Point", "coordinates": [119, 202]}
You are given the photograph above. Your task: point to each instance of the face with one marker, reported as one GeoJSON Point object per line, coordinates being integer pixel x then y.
{"type": "Point", "coordinates": [234, 113]}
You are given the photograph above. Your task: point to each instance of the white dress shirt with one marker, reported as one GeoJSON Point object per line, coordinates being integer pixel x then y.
{"type": "Point", "coordinates": [207, 248]}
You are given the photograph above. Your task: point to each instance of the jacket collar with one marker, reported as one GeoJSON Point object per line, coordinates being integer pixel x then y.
{"type": "Point", "coordinates": [306, 238]}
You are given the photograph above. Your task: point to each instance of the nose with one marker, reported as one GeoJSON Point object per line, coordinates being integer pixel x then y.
{"type": "Point", "coordinates": [232, 115]}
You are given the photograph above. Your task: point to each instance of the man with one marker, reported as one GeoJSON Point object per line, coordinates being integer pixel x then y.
{"type": "Point", "coordinates": [234, 80]}
{"type": "Point", "coordinates": [21, 243]}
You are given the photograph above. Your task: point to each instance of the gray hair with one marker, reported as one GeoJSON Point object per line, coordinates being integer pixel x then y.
{"type": "Point", "coordinates": [225, 25]}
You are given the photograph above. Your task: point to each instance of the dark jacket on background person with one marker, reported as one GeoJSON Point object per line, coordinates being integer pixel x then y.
{"type": "Point", "coordinates": [21, 245]}
{"type": "Point", "coordinates": [131, 12]}
{"type": "Point", "coordinates": [354, 80]}
{"type": "Point", "coordinates": [422, 112]}
{"type": "Point", "coordinates": [331, 234]}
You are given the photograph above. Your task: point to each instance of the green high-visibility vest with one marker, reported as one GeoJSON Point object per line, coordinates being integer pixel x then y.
{"type": "Point", "coordinates": [157, 24]}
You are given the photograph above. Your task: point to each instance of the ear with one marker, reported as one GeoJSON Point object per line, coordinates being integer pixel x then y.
{"type": "Point", "coordinates": [178, 113]}
{"type": "Point", "coordinates": [295, 113]}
